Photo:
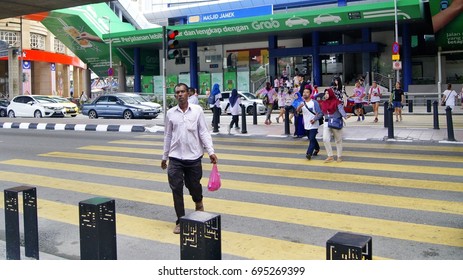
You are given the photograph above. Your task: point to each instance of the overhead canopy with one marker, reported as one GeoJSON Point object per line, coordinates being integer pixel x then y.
{"type": "Point", "coordinates": [82, 28]}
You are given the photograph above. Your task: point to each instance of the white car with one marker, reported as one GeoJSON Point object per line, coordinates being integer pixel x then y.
{"type": "Point", "coordinates": [34, 106]}
{"type": "Point", "coordinates": [144, 100]}
{"type": "Point", "coordinates": [326, 18]}
{"type": "Point", "coordinates": [247, 99]}
{"type": "Point", "coordinates": [296, 21]}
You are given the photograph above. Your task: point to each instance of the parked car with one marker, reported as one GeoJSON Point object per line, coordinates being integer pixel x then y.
{"type": "Point", "coordinates": [144, 100]}
{"type": "Point", "coordinates": [34, 106]}
{"type": "Point", "coordinates": [247, 99]}
{"type": "Point", "coordinates": [349, 107]}
{"type": "Point", "coordinates": [118, 105]}
{"type": "Point", "coordinates": [3, 106]}
{"type": "Point", "coordinates": [70, 108]}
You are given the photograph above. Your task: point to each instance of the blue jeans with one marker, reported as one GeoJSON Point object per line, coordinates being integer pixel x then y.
{"type": "Point", "coordinates": [313, 143]}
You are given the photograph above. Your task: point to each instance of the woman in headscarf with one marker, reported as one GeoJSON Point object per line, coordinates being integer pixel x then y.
{"type": "Point", "coordinates": [332, 108]}
{"type": "Point", "coordinates": [235, 109]}
{"type": "Point", "coordinates": [214, 104]}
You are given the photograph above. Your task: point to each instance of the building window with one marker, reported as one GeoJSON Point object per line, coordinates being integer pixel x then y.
{"type": "Point", "coordinates": [59, 46]}
{"type": "Point", "coordinates": [12, 38]}
{"type": "Point", "coordinates": [37, 41]}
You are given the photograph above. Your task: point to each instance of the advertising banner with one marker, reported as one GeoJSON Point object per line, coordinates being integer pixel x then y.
{"type": "Point", "coordinates": [447, 21]}
{"type": "Point", "coordinates": [217, 78]}
{"type": "Point", "coordinates": [147, 84]}
{"type": "Point", "coordinates": [86, 31]}
{"type": "Point", "coordinates": [171, 81]}
{"type": "Point", "coordinates": [204, 83]}
{"type": "Point", "coordinates": [230, 80]}
{"type": "Point", "coordinates": [27, 86]}
{"type": "Point", "coordinates": [53, 78]}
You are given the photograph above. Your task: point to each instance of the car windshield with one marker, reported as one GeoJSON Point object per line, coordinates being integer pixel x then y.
{"type": "Point", "coordinates": [249, 95]}
{"type": "Point", "coordinates": [129, 100]}
{"type": "Point", "coordinates": [43, 99]}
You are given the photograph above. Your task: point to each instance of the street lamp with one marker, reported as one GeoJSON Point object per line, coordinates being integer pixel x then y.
{"type": "Point", "coordinates": [110, 70]}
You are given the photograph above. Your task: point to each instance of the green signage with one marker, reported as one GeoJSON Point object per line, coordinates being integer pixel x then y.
{"type": "Point", "coordinates": [447, 17]}
{"type": "Point", "coordinates": [311, 19]}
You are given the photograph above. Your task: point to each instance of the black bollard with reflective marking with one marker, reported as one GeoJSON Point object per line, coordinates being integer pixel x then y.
{"type": "Point", "coordinates": [386, 114]}
{"type": "Point", "coordinates": [428, 106]}
{"type": "Point", "coordinates": [287, 131]}
{"type": "Point", "coordinates": [410, 106]}
{"type": "Point", "coordinates": [97, 228]}
{"type": "Point", "coordinates": [435, 106]}
{"type": "Point", "coordinates": [200, 236]}
{"type": "Point", "coordinates": [31, 233]}
{"type": "Point", "coordinates": [390, 128]}
{"type": "Point", "coordinates": [243, 119]}
{"type": "Point", "coordinates": [254, 113]}
{"type": "Point", "coordinates": [450, 134]}
{"type": "Point", "coordinates": [215, 119]}
{"type": "Point", "coordinates": [348, 246]}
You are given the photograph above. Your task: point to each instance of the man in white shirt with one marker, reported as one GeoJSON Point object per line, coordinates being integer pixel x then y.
{"type": "Point", "coordinates": [193, 97]}
{"type": "Point", "coordinates": [185, 137]}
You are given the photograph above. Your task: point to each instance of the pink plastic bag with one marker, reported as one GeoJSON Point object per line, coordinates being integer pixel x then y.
{"type": "Point", "coordinates": [214, 179]}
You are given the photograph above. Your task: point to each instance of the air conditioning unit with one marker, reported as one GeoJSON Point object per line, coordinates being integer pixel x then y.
{"type": "Point", "coordinates": [185, 53]}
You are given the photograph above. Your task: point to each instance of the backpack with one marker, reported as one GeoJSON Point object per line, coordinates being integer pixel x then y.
{"type": "Point", "coordinates": [211, 99]}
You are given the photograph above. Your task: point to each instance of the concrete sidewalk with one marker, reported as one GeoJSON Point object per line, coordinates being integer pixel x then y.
{"type": "Point", "coordinates": [416, 126]}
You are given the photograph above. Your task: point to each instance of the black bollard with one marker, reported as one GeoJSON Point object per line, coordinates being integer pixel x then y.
{"type": "Point", "coordinates": [31, 233]}
{"type": "Point", "coordinates": [97, 228]}
{"type": "Point", "coordinates": [215, 119]}
{"type": "Point", "coordinates": [349, 246]}
{"type": "Point", "coordinates": [254, 113]}
{"type": "Point", "coordinates": [410, 106]}
{"type": "Point", "coordinates": [287, 132]}
{"type": "Point", "coordinates": [243, 119]}
{"type": "Point", "coordinates": [386, 114]}
{"type": "Point", "coordinates": [428, 106]}
{"type": "Point", "coordinates": [390, 128]}
{"type": "Point", "coordinates": [435, 106]}
{"type": "Point", "coordinates": [448, 113]}
{"type": "Point", "coordinates": [200, 236]}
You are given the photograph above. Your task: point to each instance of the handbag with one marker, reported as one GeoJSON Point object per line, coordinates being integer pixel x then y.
{"type": "Point", "coordinates": [445, 101]}
{"type": "Point", "coordinates": [214, 179]}
{"type": "Point", "coordinates": [336, 123]}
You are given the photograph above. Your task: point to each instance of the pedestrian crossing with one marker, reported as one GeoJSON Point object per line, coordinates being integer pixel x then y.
{"type": "Point", "coordinates": [274, 203]}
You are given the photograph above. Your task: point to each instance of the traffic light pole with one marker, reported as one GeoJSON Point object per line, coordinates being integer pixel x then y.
{"type": "Point", "coordinates": [164, 71]}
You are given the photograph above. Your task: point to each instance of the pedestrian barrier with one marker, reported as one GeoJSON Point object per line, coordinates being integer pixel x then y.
{"type": "Point", "coordinates": [436, 114]}
{"type": "Point", "coordinates": [97, 228]}
{"type": "Point", "coordinates": [215, 118]}
{"type": "Point", "coordinates": [200, 236]}
{"type": "Point", "coordinates": [450, 134]}
{"type": "Point", "coordinates": [410, 106]}
{"type": "Point", "coordinates": [31, 234]}
{"type": "Point", "coordinates": [254, 113]}
{"type": "Point", "coordinates": [287, 129]}
{"type": "Point", "coordinates": [390, 128]}
{"type": "Point", "coordinates": [349, 246]}
{"type": "Point", "coordinates": [243, 119]}
{"type": "Point", "coordinates": [386, 115]}
{"type": "Point", "coordinates": [428, 105]}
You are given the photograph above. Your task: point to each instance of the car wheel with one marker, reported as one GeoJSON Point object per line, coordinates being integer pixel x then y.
{"type": "Point", "coordinates": [2, 113]}
{"type": "Point", "coordinates": [128, 115]}
{"type": "Point", "coordinates": [250, 110]}
{"type": "Point", "coordinates": [92, 114]}
{"type": "Point", "coordinates": [37, 114]}
{"type": "Point", "coordinates": [11, 114]}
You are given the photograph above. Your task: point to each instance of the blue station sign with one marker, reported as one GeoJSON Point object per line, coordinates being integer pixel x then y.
{"type": "Point", "coordinates": [232, 14]}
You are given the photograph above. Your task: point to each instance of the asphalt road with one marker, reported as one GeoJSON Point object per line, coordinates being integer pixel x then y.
{"type": "Point", "coordinates": [274, 203]}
